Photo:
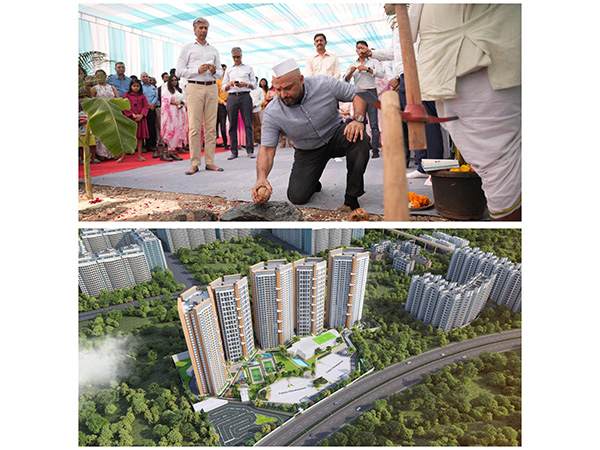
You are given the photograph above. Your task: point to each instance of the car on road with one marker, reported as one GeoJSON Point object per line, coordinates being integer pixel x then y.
{"type": "Point", "coordinates": [442, 354]}
{"type": "Point", "coordinates": [464, 357]}
{"type": "Point", "coordinates": [404, 379]}
{"type": "Point", "coordinates": [311, 435]}
{"type": "Point", "coordinates": [335, 403]}
{"type": "Point", "coordinates": [408, 362]}
{"type": "Point", "coordinates": [358, 408]}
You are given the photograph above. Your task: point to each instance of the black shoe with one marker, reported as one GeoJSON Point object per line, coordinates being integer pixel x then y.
{"type": "Point", "coordinates": [227, 147]}
{"type": "Point", "coordinates": [351, 202]}
{"type": "Point", "coordinates": [221, 145]}
{"type": "Point", "coordinates": [232, 156]}
{"type": "Point", "coordinates": [251, 155]}
{"type": "Point", "coordinates": [375, 154]}
{"type": "Point", "coordinates": [164, 156]}
{"type": "Point", "coordinates": [319, 187]}
{"type": "Point", "coordinates": [156, 154]}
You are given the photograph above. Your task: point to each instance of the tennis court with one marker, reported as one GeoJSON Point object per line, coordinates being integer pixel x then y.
{"type": "Point", "coordinates": [269, 366]}
{"type": "Point", "coordinates": [256, 375]}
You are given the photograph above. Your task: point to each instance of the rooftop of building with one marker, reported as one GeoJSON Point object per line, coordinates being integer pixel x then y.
{"type": "Point", "coordinates": [192, 298]}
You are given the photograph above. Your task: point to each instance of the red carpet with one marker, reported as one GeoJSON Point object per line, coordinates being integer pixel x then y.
{"type": "Point", "coordinates": [131, 162]}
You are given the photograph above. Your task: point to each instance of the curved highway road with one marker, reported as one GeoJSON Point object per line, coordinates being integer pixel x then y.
{"type": "Point", "coordinates": [332, 413]}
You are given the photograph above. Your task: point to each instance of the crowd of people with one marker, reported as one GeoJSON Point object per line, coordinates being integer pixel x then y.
{"type": "Point", "coordinates": [319, 113]}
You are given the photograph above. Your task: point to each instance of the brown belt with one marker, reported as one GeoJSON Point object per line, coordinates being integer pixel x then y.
{"type": "Point", "coordinates": [206, 83]}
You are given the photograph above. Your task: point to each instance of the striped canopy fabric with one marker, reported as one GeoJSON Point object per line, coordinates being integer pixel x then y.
{"type": "Point", "coordinates": [148, 36]}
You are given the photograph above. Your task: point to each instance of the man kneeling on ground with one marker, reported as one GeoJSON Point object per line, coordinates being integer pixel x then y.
{"type": "Point", "coordinates": [305, 110]}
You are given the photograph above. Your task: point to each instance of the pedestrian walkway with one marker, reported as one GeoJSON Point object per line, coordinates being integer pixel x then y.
{"type": "Point", "coordinates": [236, 181]}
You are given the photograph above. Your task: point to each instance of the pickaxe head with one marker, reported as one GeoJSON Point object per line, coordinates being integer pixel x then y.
{"type": "Point", "coordinates": [412, 113]}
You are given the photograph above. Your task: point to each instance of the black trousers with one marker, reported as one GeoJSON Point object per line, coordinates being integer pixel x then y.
{"type": "Point", "coordinates": [309, 165]}
{"type": "Point", "coordinates": [222, 122]}
{"type": "Point", "coordinates": [151, 121]}
{"type": "Point", "coordinates": [433, 132]}
{"type": "Point", "coordinates": [243, 104]}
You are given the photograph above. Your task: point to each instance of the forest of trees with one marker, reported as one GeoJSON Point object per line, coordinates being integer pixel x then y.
{"type": "Point", "coordinates": [123, 416]}
{"type": "Point", "coordinates": [211, 261]}
{"type": "Point", "coordinates": [473, 403]}
{"type": "Point", "coordinates": [145, 403]}
{"type": "Point", "coordinates": [162, 283]}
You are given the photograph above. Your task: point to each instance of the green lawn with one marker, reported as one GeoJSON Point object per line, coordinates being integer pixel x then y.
{"type": "Point", "coordinates": [269, 366]}
{"type": "Point", "coordinates": [288, 364]}
{"type": "Point", "coordinates": [182, 366]}
{"type": "Point", "coordinates": [324, 338]}
{"type": "Point", "coordinates": [260, 419]}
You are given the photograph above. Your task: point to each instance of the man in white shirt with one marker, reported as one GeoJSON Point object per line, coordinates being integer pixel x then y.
{"type": "Point", "coordinates": [200, 64]}
{"type": "Point", "coordinates": [258, 98]}
{"type": "Point", "coordinates": [433, 131]}
{"type": "Point", "coordinates": [238, 81]}
{"type": "Point", "coordinates": [364, 71]}
{"type": "Point", "coordinates": [322, 62]}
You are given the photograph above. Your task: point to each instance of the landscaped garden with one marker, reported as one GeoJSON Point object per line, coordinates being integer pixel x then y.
{"type": "Point", "coordinates": [182, 367]}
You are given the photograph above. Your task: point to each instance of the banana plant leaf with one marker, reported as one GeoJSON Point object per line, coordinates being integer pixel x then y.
{"type": "Point", "coordinates": [107, 123]}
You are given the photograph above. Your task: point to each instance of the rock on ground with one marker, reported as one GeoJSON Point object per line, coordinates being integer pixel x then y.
{"type": "Point", "coordinates": [263, 212]}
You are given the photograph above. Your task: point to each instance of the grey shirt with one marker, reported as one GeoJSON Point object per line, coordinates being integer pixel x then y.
{"type": "Point", "coordinates": [312, 123]}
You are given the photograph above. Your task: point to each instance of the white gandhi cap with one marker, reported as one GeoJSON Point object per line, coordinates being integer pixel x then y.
{"type": "Point", "coordinates": [283, 67]}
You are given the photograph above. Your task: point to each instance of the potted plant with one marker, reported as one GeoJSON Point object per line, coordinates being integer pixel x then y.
{"type": "Point", "coordinates": [103, 118]}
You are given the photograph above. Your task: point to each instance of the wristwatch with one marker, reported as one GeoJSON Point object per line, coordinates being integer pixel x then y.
{"type": "Point", "coordinates": [359, 118]}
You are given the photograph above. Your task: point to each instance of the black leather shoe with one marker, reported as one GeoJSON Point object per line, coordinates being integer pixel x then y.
{"type": "Point", "coordinates": [164, 156]}
{"type": "Point", "coordinates": [319, 187]}
{"type": "Point", "coordinates": [232, 156]}
{"type": "Point", "coordinates": [220, 145]}
{"type": "Point", "coordinates": [251, 155]}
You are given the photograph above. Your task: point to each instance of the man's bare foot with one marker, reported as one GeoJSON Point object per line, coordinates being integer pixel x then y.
{"type": "Point", "coordinates": [141, 158]}
{"type": "Point", "coordinates": [121, 159]}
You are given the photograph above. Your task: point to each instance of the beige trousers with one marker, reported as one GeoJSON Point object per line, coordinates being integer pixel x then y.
{"type": "Point", "coordinates": [202, 102]}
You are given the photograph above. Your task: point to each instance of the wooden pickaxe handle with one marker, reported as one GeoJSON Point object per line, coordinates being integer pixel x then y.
{"type": "Point", "coordinates": [416, 130]}
{"type": "Point", "coordinates": [395, 187]}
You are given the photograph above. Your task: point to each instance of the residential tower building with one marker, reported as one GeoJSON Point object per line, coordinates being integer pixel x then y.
{"type": "Point", "coordinates": [202, 336]}
{"type": "Point", "coordinates": [231, 297]}
{"type": "Point", "coordinates": [346, 286]}
{"type": "Point", "coordinates": [310, 281]}
{"type": "Point", "coordinates": [273, 302]}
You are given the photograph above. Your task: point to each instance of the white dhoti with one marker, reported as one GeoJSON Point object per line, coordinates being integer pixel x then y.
{"type": "Point", "coordinates": [488, 135]}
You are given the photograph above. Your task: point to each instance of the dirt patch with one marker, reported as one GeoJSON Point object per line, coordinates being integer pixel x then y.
{"type": "Point", "coordinates": [111, 204]}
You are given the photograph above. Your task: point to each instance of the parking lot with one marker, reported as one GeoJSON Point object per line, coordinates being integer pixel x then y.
{"type": "Point", "coordinates": [236, 423]}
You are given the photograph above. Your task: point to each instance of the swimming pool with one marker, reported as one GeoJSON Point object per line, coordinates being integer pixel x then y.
{"type": "Point", "coordinates": [300, 361]}
{"type": "Point", "coordinates": [267, 355]}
